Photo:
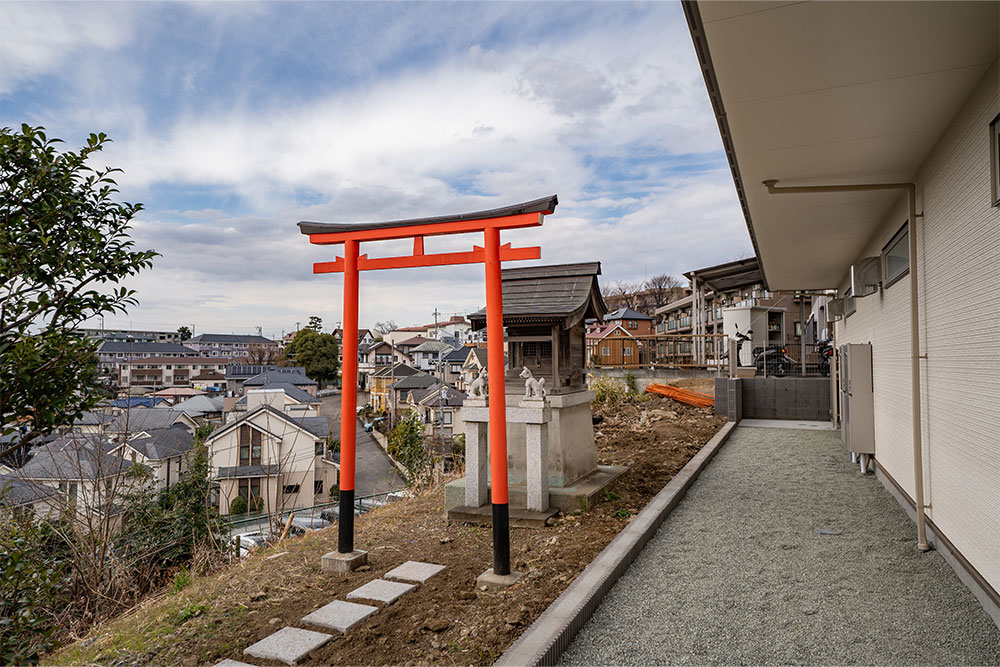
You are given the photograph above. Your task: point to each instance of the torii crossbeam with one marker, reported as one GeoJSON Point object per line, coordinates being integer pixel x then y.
{"type": "Point", "coordinates": [527, 214]}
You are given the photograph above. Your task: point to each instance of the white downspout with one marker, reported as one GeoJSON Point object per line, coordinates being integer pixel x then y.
{"type": "Point", "coordinates": [911, 201]}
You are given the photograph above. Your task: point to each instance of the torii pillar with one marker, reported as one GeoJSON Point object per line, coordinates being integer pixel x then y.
{"type": "Point", "coordinates": [492, 254]}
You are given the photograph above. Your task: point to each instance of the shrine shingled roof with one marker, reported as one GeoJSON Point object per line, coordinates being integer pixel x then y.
{"type": "Point", "coordinates": [559, 293]}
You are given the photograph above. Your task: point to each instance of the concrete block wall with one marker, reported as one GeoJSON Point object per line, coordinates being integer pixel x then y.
{"type": "Point", "coordinates": [806, 399]}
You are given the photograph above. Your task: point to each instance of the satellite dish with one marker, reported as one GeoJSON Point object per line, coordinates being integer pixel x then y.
{"type": "Point", "coordinates": [835, 310]}
{"type": "Point", "coordinates": [866, 276]}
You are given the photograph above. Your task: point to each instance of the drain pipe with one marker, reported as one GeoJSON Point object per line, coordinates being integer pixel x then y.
{"type": "Point", "coordinates": [911, 201]}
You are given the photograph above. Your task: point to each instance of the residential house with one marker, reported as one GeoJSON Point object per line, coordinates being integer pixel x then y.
{"type": "Point", "coordinates": [612, 345]}
{"type": "Point", "coordinates": [451, 366]}
{"type": "Point", "coordinates": [202, 408]}
{"type": "Point", "coordinates": [427, 356]}
{"type": "Point", "coordinates": [399, 391]}
{"type": "Point", "coordinates": [230, 346]}
{"type": "Point", "coordinates": [294, 376]}
{"type": "Point", "coordinates": [82, 472]}
{"type": "Point", "coordinates": [163, 450]}
{"type": "Point", "coordinates": [92, 422]}
{"type": "Point", "coordinates": [237, 374]}
{"type": "Point", "coordinates": [439, 406]}
{"type": "Point", "coordinates": [161, 372]}
{"type": "Point", "coordinates": [456, 327]}
{"type": "Point", "coordinates": [272, 455]}
{"type": "Point", "coordinates": [27, 497]}
{"type": "Point", "coordinates": [634, 322]}
{"type": "Point", "coordinates": [646, 300]}
{"type": "Point", "coordinates": [375, 356]}
{"type": "Point", "coordinates": [380, 397]}
{"type": "Point", "coordinates": [475, 361]}
{"type": "Point", "coordinates": [136, 421]}
{"type": "Point", "coordinates": [407, 345]}
{"type": "Point", "coordinates": [209, 380]}
{"type": "Point", "coordinates": [294, 401]}
{"type": "Point", "coordinates": [906, 96]}
{"type": "Point", "coordinates": [111, 354]}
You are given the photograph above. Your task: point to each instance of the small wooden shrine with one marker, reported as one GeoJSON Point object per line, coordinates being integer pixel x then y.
{"type": "Point", "coordinates": [544, 309]}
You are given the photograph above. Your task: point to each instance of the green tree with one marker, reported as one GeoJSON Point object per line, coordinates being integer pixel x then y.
{"type": "Point", "coordinates": [315, 323]}
{"type": "Point", "coordinates": [317, 352]}
{"type": "Point", "coordinates": [64, 251]}
{"type": "Point", "coordinates": [406, 445]}
{"type": "Point", "coordinates": [185, 333]}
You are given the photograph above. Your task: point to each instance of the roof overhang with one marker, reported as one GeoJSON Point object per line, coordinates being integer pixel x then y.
{"type": "Point", "coordinates": [828, 93]}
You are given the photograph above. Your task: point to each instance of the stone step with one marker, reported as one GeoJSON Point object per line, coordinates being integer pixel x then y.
{"type": "Point", "coordinates": [340, 615]}
{"type": "Point", "coordinates": [288, 645]}
{"type": "Point", "coordinates": [415, 571]}
{"type": "Point", "coordinates": [380, 590]}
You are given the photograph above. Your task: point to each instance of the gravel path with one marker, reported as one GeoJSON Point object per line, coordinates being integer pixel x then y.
{"type": "Point", "coordinates": [739, 574]}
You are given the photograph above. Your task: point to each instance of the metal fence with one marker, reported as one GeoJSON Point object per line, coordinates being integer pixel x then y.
{"type": "Point", "coordinates": [711, 352]}
{"type": "Point", "coordinates": [263, 523]}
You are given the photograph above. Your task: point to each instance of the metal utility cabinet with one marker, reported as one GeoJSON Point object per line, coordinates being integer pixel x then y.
{"type": "Point", "coordinates": [857, 425]}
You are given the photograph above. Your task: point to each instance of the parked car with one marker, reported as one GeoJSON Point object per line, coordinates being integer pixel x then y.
{"type": "Point", "coordinates": [308, 523]}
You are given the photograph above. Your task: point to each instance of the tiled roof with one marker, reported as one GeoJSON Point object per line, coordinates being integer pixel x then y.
{"type": "Point", "coordinates": [164, 443]}
{"type": "Point", "coordinates": [144, 419]}
{"type": "Point", "coordinates": [288, 376]}
{"type": "Point", "coordinates": [561, 293]}
{"type": "Point", "coordinates": [73, 459]}
{"type": "Point", "coordinates": [415, 382]}
{"type": "Point", "coordinates": [111, 347]}
{"type": "Point", "coordinates": [412, 342]}
{"type": "Point", "coordinates": [15, 491]}
{"type": "Point", "coordinates": [293, 392]}
{"type": "Point", "coordinates": [176, 360]}
{"type": "Point", "coordinates": [432, 346]}
{"type": "Point", "coordinates": [626, 314]}
{"type": "Point", "coordinates": [457, 355]}
{"type": "Point", "coordinates": [231, 338]}
{"type": "Point", "coordinates": [399, 369]}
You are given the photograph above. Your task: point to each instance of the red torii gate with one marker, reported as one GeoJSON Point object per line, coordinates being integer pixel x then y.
{"type": "Point", "coordinates": [527, 214]}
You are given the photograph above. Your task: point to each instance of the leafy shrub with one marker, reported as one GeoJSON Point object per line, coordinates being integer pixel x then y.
{"type": "Point", "coordinates": [406, 445]}
{"type": "Point", "coordinates": [33, 587]}
{"type": "Point", "coordinates": [609, 391]}
{"type": "Point", "coordinates": [630, 383]}
{"type": "Point", "coordinates": [238, 505]}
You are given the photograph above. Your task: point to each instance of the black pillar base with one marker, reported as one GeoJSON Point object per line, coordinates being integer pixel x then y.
{"type": "Point", "coordinates": [345, 529]}
{"type": "Point", "coordinates": [501, 539]}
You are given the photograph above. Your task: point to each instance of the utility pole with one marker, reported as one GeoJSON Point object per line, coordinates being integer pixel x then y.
{"type": "Point", "coordinates": [437, 335]}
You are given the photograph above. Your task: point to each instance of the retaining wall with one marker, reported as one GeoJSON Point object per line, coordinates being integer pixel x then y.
{"type": "Point", "coordinates": [773, 398]}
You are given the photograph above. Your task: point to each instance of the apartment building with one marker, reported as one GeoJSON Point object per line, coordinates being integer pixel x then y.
{"type": "Point", "coordinates": [229, 346]}
{"type": "Point", "coordinates": [162, 372]}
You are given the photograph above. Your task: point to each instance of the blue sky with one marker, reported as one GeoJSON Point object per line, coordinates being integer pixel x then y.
{"type": "Point", "coordinates": [233, 121]}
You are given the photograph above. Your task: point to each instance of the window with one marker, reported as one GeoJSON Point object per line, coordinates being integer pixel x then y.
{"type": "Point", "coordinates": [798, 329]}
{"type": "Point", "coordinates": [896, 256]}
{"type": "Point", "coordinates": [317, 487]}
{"type": "Point", "coordinates": [605, 351]}
{"type": "Point", "coordinates": [632, 324]}
{"type": "Point", "coordinates": [446, 417]}
{"type": "Point", "coordinates": [318, 449]}
{"type": "Point", "coordinates": [291, 488]}
{"type": "Point", "coordinates": [995, 158]}
{"type": "Point", "coordinates": [627, 351]}
{"type": "Point", "coordinates": [249, 442]}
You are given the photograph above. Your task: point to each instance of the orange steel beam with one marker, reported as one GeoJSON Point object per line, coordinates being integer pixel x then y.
{"type": "Point", "coordinates": [432, 229]}
{"type": "Point", "coordinates": [476, 256]}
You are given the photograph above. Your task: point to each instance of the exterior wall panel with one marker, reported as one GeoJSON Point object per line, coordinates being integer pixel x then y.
{"type": "Point", "coordinates": [959, 275]}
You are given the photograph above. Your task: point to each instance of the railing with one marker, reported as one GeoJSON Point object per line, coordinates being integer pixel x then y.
{"type": "Point", "coordinates": [249, 523]}
{"type": "Point", "coordinates": [709, 352]}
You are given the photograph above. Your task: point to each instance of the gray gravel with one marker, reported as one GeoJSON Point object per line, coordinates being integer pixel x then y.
{"type": "Point", "coordinates": [783, 553]}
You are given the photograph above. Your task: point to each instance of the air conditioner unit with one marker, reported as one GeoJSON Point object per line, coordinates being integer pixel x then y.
{"type": "Point", "coordinates": [835, 309]}
{"type": "Point", "coordinates": [866, 276]}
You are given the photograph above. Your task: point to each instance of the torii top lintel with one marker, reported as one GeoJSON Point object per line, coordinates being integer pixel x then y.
{"type": "Point", "coordinates": [526, 214]}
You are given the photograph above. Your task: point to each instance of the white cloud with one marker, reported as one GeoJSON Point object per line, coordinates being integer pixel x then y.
{"type": "Point", "coordinates": [39, 37]}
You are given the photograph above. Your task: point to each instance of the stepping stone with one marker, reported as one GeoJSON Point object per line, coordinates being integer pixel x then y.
{"type": "Point", "coordinates": [340, 615]}
{"type": "Point", "coordinates": [229, 662]}
{"type": "Point", "coordinates": [381, 590]}
{"type": "Point", "coordinates": [415, 571]}
{"type": "Point", "coordinates": [289, 645]}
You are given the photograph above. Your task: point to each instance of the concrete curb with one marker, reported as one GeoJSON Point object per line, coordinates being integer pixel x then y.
{"type": "Point", "coordinates": [546, 639]}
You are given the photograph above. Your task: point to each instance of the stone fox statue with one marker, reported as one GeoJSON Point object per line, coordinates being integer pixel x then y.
{"type": "Point", "coordinates": [533, 387]}
{"type": "Point", "coordinates": [479, 386]}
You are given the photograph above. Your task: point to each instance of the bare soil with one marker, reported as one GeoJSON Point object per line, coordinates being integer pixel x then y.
{"type": "Point", "coordinates": [445, 621]}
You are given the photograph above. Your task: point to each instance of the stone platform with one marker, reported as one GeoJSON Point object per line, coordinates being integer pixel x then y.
{"type": "Point", "coordinates": [483, 516]}
{"type": "Point", "coordinates": [579, 495]}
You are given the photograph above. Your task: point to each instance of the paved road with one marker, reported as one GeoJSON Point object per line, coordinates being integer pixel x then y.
{"type": "Point", "coordinates": [374, 473]}
{"type": "Point", "coordinates": [738, 574]}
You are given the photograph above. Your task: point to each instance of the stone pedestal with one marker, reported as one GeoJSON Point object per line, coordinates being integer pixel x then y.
{"type": "Point", "coordinates": [477, 461]}
{"type": "Point", "coordinates": [535, 415]}
{"type": "Point", "coordinates": [336, 562]}
{"type": "Point", "coordinates": [495, 582]}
